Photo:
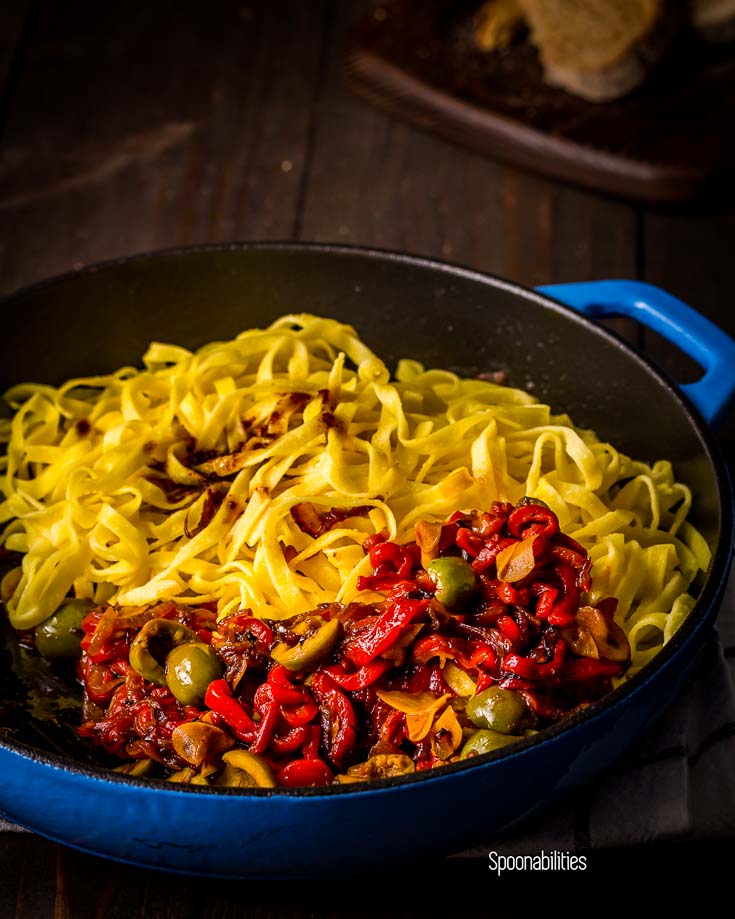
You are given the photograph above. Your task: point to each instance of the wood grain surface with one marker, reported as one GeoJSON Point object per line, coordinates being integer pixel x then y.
{"type": "Point", "coordinates": [157, 123]}
{"type": "Point", "coordinates": [664, 142]}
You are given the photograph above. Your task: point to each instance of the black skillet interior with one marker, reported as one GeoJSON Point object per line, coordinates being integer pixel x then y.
{"type": "Point", "coordinates": [104, 318]}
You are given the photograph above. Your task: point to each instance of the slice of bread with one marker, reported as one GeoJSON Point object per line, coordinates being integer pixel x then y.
{"type": "Point", "coordinates": [714, 19]}
{"type": "Point", "coordinates": [599, 49]}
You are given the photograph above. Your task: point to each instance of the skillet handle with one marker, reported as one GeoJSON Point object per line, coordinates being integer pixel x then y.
{"type": "Point", "coordinates": [684, 327]}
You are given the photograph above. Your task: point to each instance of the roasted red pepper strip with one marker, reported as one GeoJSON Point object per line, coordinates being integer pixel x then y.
{"type": "Point", "coordinates": [339, 724]}
{"type": "Point", "coordinates": [373, 540]}
{"type": "Point", "coordinates": [262, 697]}
{"type": "Point", "coordinates": [509, 627]}
{"type": "Point", "coordinates": [546, 598]}
{"type": "Point", "coordinates": [489, 524]}
{"type": "Point", "coordinates": [390, 553]}
{"type": "Point", "coordinates": [289, 742]}
{"type": "Point", "coordinates": [100, 681]}
{"type": "Point", "coordinates": [490, 551]}
{"type": "Point", "coordinates": [436, 682]}
{"type": "Point", "coordinates": [480, 654]}
{"type": "Point", "coordinates": [219, 699]}
{"type": "Point", "coordinates": [532, 514]}
{"type": "Point", "coordinates": [501, 509]}
{"type": "Point", "coordinates": [111, 651]}
{"type": "Point", "coordinates": [391, 563]}
{"type": "Point", "coordinates": [297, 706]}
{"type": "Point", "coordinates": [581, 669]}
{"type": "Point", "coordinates": [581, 564]}
{"type": "Point", "coordinates": [469, 542]}
{"type": "Point", "coordinates": [506, 592]}
{"type": "Point", "coordinates": [262, 633]}
{"type": "Point", "coordinates": [386, 631]}
{"type": "Point", "coordinates": [300, 714]}
{"type": "Point", "coordinates": [284, 692]}
{"type": "Point", "coordinates": [313, 739]}
{"type": "Point", "coordinates": [269, 721]}
{"type": "Point", "coordinates": [532, 670]}
{"type": "Point", "coordinates": [361, 678]}
{"type": "Point", "coordinates": [433, 646]}
{"type": "Point", "coordinates": [418, 680]}
{"type": "Point", "coordinates": [377, 582]}
{"type": "Point", "coordinates": [392, 728]}
{"type": "Point", "coordinates": [564, 610]}
{"type": "Point", "coordinates": [305, 773]}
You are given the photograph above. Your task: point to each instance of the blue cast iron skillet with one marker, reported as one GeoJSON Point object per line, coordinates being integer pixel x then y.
{"type": "Point", "coordinates": [446, 316]}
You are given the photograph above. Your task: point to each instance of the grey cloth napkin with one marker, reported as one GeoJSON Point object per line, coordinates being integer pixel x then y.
{"type": "Point", "coordinates": [677, 781]}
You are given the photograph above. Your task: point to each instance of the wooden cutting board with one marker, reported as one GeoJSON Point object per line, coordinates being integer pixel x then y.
{"type": "Point", "coordinates": [672, 140]}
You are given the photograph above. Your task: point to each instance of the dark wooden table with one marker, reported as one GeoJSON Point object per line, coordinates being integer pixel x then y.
{"type": "Point", "coordinates": [152, 124]}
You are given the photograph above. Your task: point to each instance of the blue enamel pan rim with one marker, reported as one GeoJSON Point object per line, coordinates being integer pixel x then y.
{"type": "Point", "coordinates": [705, 609]}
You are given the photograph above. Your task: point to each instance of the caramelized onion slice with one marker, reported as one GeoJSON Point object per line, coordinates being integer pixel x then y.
{"type": "Point", "coordinates": [446, 734]}
{"type": "Point", "coordinates": [420, 709]}
{"type": "Point", "coordinates": [427, 539]}
{"type": "Point", "coordinates": [197, 741]}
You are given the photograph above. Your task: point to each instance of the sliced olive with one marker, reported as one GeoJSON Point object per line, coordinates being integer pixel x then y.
{"type": "Point", "coordinates": [455, 581]}
{"type": "Point", "coordinates": [184, 776]}
{"type": "Point", "coordinates": [500, 710]}
{"type": "Point", "coordinates": [306, 654]}
{"type": "Point", "coordinates": [59, 637]}
{"type": "Point", "coordinates": [245, 770]}
{"type": "Point", "coordinates": [485, 742]}
{"type": "Point", "coordinates": [152, 645]}
{"type": "Point", "coordinates": [190, 668]}
{"type": "Point", "coordinates": [348, 779]}
{"type": "Point", "coordinates": [204, 775]}
{"type": "Point", "coordinates": [458, 680]}
{"type": "Point", "coordinates": [138, 767]}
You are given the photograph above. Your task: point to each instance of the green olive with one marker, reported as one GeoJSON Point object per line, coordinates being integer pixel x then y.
{"type": "Point", "coordinates": [306, 654]}
{"type": "Point", "coordinates": [245, 770]}
{"type": "Point", "coordinates": [59, 637]}
{"type": "Point", "coordinates": [500, 710]}
{"type": "Point", "coordinates": [152, 645]}
{"type": "Point", "coordinates": [190, 668]}
{"type": "Point", "coordinates": [485, 742]}
{"type": "Point", "coordinates": [455, 581]}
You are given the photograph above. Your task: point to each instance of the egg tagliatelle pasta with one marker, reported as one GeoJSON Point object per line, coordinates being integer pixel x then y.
{"type": "Point", "coordinates": [179, 481]}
